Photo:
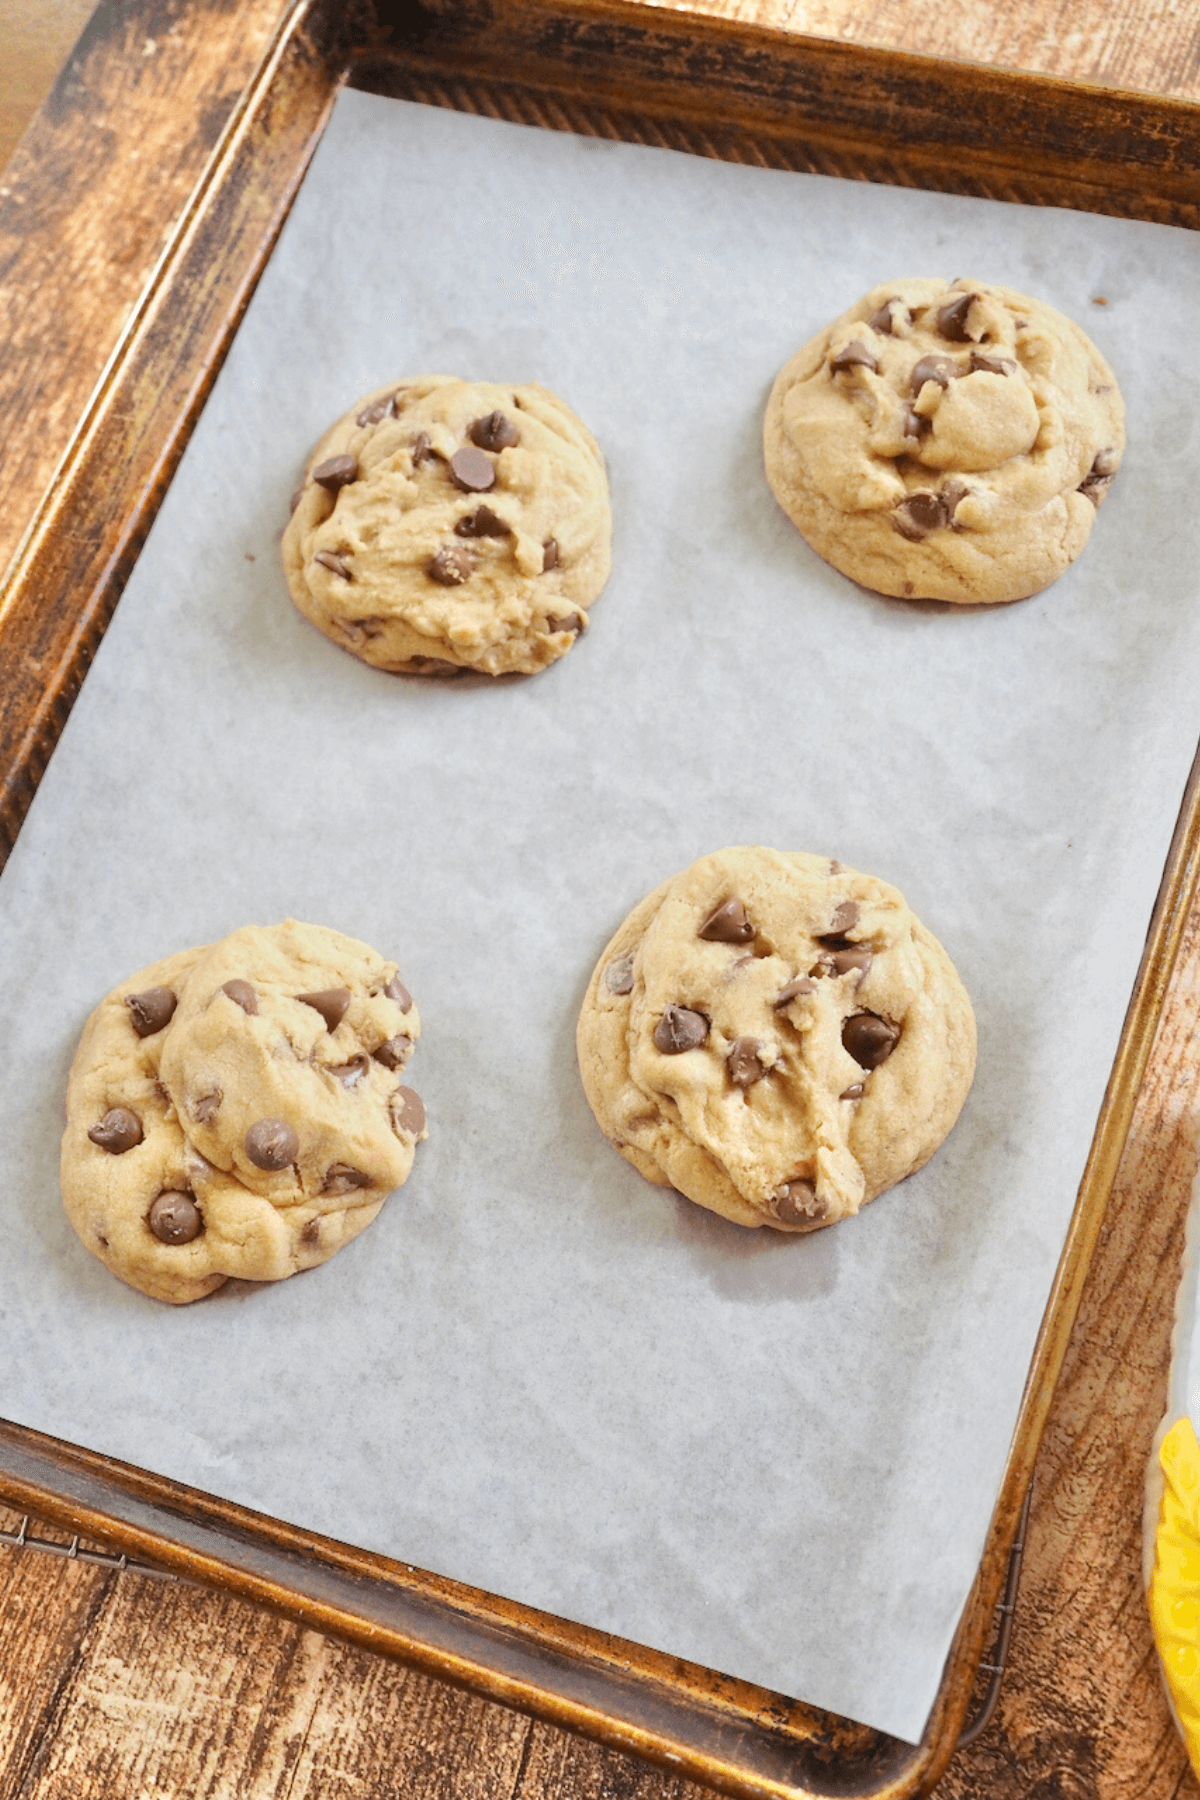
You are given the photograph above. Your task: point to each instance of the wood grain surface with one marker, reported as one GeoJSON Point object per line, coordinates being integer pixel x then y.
{"type": "Point", "coordinates": [37, 36]}
{"type": "Point", "coordinates": [1150, 45]}
{"type": "Point", "coordinates": [123, 1684]}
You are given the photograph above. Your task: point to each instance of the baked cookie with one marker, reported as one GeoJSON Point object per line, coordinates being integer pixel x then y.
{"type": "Point", "coordinates": [448, 525]}
{"type": "Point", "coordinates": [239, 1110]}
{"type": "Point", "coordinates": [777, 1037]}
{"type": "Point", "coordinates": [946, 441]}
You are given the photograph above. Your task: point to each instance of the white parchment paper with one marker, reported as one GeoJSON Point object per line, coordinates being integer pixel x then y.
{"type": "Point", "coordinates": [536, 1372]}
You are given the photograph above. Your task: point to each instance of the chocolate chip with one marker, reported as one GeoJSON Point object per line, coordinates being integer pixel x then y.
{"type": "Point", "coordinates": [272, 1144]}
{"type": "Point", "coordinates": [918, 515]}
{"type": "Point", "coordinates": [472, 471]}
{"type": "Point", "coordinates": [952, 318]}
{"type": "Point", "coordinates": [915, 424]}
{"type": "Point", "coordinates": [496, 432]}
{"type": "Point", "coordinates": [340, 1178]}
{"type": "Point", "coordinates": [801, 985]}
{"type": "Point", "coordinates": [450, 568]}
{"type": "Point", "coordinates": [743, 1063]}
{"type": "Point", "coordinates": [335, 565]}
{"type": "Point", "coordinates": [549, 555]}
{"type": "Point", "coordinates": [312, 1231]}
{"type": "Point", "coordinates": [853, 355]}
{"type": "Point", "coordinates": [889, 314]}
{"type": "Point", "coordinates": [206, 1108]}
{"type": "Point", "coordinates": [351, 1073]}
{"type": "Point", "coordinates": [408, 1111]}
{"type": "Point", "coordinates": [728, 924]}
{"type": "Point", "coordinates": [396, 990]}
{"type": "Point", "coordinates": [395, 1053]}
{"type": "Point", "coordinates": [680, 1029]}
{"type": "Point", "coordinates": [331, 1003]}
{"type": "Point", "coordinates": [119, 1130]}
{"type": "Point", "coordinates": [845, 953]}
{"type": "Point", "coordinates": [483, 522]}
{"type": "Point", "coordinates": [364, 630]}
{"type": "Point", "coordinates": [422, 450]}
{"type": "Point", "coordinates": [869, 1039]}
{"type": "Point", "coordinates": [953, 492]}
{"type": "Point", "coordinates": [150, 1010]}
{"type": "Point", "coordinates": [854, 956]}
{"type": "Point", "coordinates": [1095, 482]}
{"type": "Point", "coordinates": [174, 1218]}
{"type": "Point", "coordinates": [798, 1204]}
{"type": "Point", "coordinates": [433, 665]}
{"type": "Point", "coordinates": [572, 622]}
{"type": "Point", "coordinates": [378, 409]}
{"type": "Point", "coordinates": [991, 365]}
{"type": "Point", "coordinates": [336, 472]}
{"type": "Point", "coordinates": [942, 369]}
{"type": "Point", "coordinates": [242, 994]}
{"type": "Point", "coordinates": [854, 1092]}
{"type": "Point", "coordinates": [618, 976]}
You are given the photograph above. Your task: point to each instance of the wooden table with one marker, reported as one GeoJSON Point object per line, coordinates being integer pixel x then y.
{"type": "Point", "coordinates": [124, 1684]}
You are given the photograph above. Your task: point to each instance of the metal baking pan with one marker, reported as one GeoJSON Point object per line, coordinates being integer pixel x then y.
{"type": "Point", "coordinates": [710, 87]}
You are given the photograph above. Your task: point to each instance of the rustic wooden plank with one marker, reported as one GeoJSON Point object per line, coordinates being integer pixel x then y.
{"type": "Point", "coordinates": [226, 1698]}
{"type": "Point", "coordinates": [131, 1684]}
{"type": "Point", "coordinates": [559, 1765]}
{"type": "Point", "coordinates": [1120, 43]}
{"type": "Point", "coordinates": [375, 1728]}
{"type": "Point", "coordinates": [38, 36]}
{"type": "Point", "coordinates": [46, 1609]}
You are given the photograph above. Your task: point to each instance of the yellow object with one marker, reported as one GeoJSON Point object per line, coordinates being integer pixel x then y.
{"type": "Point", "coordinates": [1175, 1583]}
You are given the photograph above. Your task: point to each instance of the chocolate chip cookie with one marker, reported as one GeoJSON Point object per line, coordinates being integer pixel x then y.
{"type": "Point", "coordinates": [446, 525]}
{"type": "Point", "coordinates": [777, 1037]}
{"type": "Point", "coordinates": [946, 441]}
{"type": "Point", "coordinates": [240, 1110]}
